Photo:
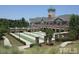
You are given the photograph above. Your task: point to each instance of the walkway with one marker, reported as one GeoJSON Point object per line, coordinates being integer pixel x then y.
{"type": "Point", "coordinates": [7, 42]}
{"type": "Point", "coordinates": [21, 48]}
{"type": "Point", "coordinates": [65, 44]}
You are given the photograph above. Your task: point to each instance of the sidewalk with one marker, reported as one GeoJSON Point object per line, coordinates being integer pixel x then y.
{"type": "Point", "coordinates": [65, 43]}
{"type": "Point", "coordinates": [7, 42]}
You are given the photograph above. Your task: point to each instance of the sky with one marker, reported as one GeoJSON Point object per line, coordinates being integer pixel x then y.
{"type": "Point", "coordinates": [31, 11]}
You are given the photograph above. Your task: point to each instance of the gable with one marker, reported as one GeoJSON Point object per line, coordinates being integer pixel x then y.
{"type": "Point", "coordinates": [58, 20]}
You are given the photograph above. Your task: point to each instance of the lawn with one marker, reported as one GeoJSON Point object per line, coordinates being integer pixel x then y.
{"type": "Point", "coordinates": [9, 50]}
{"type": "Point", "coordinates": [1, 42]}
{"type": "Point", "coordinates": [54, 49]}
{"type": "Point", "coordinates": [42, 50]}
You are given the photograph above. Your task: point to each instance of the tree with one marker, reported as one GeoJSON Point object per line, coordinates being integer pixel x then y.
{"type": "Point", "coordinates": [49, 33]}
{"type": "Point", "coordinates": [72, 35]}
{"type": "Point", "coordinates": [5, 24]}
{"type": "Point", "coordinates": [45, 39]}
{"type": "Point", "coordinates": [74, 26]}
{"type": "Point", "coordinates": [24, 22]}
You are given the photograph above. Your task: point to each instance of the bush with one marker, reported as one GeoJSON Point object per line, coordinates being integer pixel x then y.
{"type": "Point", "coordinates": [64, 39]}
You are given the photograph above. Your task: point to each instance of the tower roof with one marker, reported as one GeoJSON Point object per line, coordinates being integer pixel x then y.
{"type": "Point", "coordinates": [51, 9]}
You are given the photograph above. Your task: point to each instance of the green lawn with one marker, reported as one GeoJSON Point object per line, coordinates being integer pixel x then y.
{"type": "Point", "coordinates": [9, 50]}
{"type": "Point", "coordinates": [41, 50]}
{"type": "Point", "coordinates": [1, 42]}
{"type": "Point", "coordinates": [44, 49]}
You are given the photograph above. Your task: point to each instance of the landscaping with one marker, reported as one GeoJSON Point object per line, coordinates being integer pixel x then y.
{"type": "Point", "coordinates": [17, 36]}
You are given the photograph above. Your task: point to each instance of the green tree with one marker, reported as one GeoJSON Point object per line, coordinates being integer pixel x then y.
{"type": "Point", "coordinates": [5, 24]}
{"type": "Point", "coordinates": [24, 22]}
{"type": "Point", "coordinates": [49, 33]}
{"type": "Point", "coordinates": [74, 26]}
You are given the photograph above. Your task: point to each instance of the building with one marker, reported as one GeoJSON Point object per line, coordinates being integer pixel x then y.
{"type": "Point", "coordinates": [56, 23]}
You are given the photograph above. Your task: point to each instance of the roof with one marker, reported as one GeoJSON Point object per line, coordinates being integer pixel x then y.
{"type": "Point", "coordinates": [65, 17]}
{"type": "Point", "coordinates": [39, 19]}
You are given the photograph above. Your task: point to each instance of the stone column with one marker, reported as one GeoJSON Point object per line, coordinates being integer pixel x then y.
{"type": "Point", "coordinates": [55, 30]}
{"type": "Point", "coordinates": [37, 41]}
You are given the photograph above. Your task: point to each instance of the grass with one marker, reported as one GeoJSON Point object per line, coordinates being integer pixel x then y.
{"type": "Point", "coordinates": [1, 42]}
{"type": "Point", "coordinates": [54, 49]}
{"type": "Point", "coordinates": [9, 50]}
{"type": "Point", "coordinates": [41, 50]}
{"type": "Point", "coordinates": [44, 49]}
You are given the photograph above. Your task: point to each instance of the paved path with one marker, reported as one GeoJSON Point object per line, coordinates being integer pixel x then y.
{"type": "Point", "coordinates": [7, 42]}
{"type": "Point", "coordinates": [21, 48]}
{"type": "Point", "coordinates": [65, 43]}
